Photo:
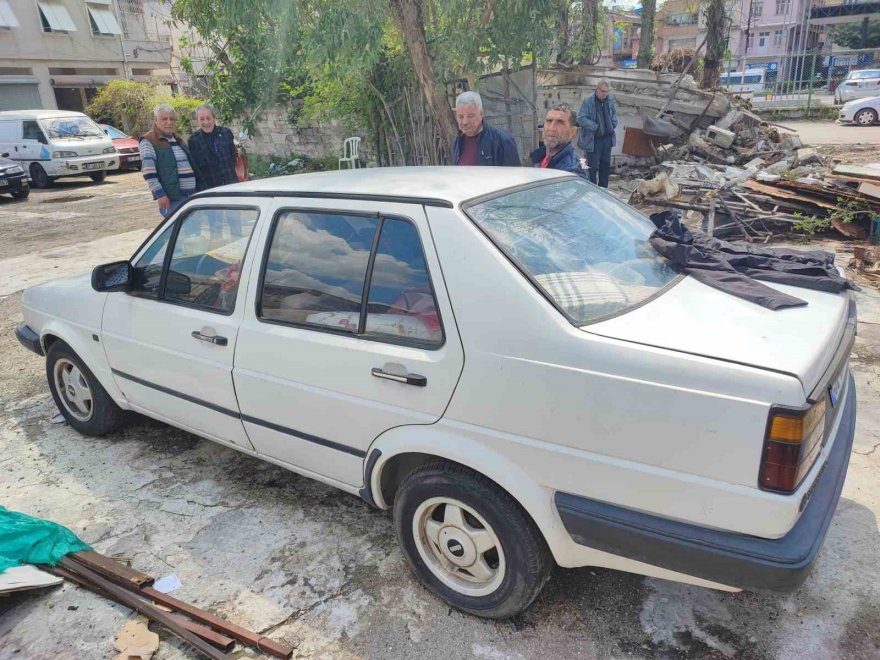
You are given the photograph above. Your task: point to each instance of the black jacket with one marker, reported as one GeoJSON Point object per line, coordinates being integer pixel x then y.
{"type": "Point", "coordinates": [496, 147]}
{"type": "Point", "coordinates": [565, 159]}
{"type": "Point", "coordinates": [213, 168]}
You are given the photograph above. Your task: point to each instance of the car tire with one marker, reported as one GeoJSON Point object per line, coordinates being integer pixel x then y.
{"type": "Point", "coordinates": [39, 177]}
{"type": "Point", "coordinates": [82, 400]}
{"type": "Point", "coordinates": [98, 177]}
{"type": "Point", "coordinates": [865, 117]}
{"type": "Point", "coordinates": [469, 542]}
{"type": "Point", "coordinates": [21, 194]}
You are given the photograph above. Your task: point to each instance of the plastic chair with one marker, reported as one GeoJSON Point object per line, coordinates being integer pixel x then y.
{"type": "Point", "coordinates": [350, 152]}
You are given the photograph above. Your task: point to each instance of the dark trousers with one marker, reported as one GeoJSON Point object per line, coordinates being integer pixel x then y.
{"type": "Point", "coordinates": [599, 160]}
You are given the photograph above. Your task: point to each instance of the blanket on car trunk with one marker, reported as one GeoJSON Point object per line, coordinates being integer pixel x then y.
{"type": "Point", "coordinates": [735, 268]}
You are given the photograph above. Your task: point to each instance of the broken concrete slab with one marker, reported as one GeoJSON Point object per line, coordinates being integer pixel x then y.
{"type": "Point", "coordinates": [721, 137]}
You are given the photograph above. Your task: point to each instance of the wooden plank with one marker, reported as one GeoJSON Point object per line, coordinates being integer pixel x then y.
{"type": "Point", "coordinates": [871, 190]}
{"type": "Point", "coordinates": [781, 193]}
{"type": "Point", "coordinates": [857, 171]}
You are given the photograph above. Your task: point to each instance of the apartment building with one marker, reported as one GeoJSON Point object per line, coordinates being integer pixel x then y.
{"type": "Point", "coordinates": [55, 54]}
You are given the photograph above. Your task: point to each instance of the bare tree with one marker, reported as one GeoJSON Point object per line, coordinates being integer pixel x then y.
{"type": "Point", "coordinates": [562, 36]}
{"type": "Point", "coordinates": [716, 42]}
{"type": "Point", "coordinates": [409, 19]}
{"type": "Point", "coordinates": [646, 40]}
{"type": "Point", "coordinates": [589, 31]}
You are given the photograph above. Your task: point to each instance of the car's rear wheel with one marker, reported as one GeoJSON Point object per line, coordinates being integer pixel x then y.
{"type": "Point", "coordinates": [469, 542]}
{"type": "Point", "coordinates": [79, 396]}
{"type": "Point", "coordinates": [39, 176]}
{"type": "Point", "coordinates": [21, 194]}
{"type": "Point", "coordinates": [865, 117]}
{"type": "Point", "coordinates": [98, 177]}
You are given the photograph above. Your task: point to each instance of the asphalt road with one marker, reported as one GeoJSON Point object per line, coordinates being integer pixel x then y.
{"type": "Point", "coordinates": [317, 568]}
{"type": "Point", "coordinates": [828, 132]}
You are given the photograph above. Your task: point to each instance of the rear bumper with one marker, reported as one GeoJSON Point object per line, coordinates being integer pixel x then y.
{"type": "Point", "coordinates": [29, 339]}
{"type": "Point", "coordinates": [728, 558]}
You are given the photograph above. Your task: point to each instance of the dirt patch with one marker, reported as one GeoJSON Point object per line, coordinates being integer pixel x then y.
{"type": "Point", "coordinates": [65, 199]}
{"type": "Point", "coordinates": [861, 637]}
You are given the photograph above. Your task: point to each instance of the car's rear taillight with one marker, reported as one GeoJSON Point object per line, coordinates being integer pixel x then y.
{"type": "Point", "coordinates": [793, 443]}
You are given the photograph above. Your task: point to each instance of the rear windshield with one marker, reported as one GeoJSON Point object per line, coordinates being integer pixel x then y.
{"type": "Point", "coordinates": [587, 252]}
{"type": "Point", "coordinates": [861, 75]}
{"type": "Point", "coordinates": [71, 127]}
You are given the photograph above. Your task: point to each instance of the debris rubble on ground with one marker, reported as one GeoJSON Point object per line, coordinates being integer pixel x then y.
{"type": "Point", "coordinates": [733, 174]}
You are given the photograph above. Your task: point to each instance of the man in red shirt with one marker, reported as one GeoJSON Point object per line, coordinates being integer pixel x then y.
{"type": "Point", "coordinates": [557, 151]}
{"type": "Point", "coordinates": [478, 143]}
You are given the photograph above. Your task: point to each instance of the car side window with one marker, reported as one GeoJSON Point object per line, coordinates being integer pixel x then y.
{"type": "Point", "coordinates": [401, 304]}
{"type": "Point", "coordinates": [316, 268]}
{"type": "Point", "coordinates": [31, 131]}
{"type": "Point", "coordinates": [207, 257]}
{"type": "Point", "coordinates": [147, 272]}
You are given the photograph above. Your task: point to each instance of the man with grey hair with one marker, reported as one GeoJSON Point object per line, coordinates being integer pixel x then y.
{"type": "Point", "coordinates": [477, 142]}
{"type": "Point", "coordinates": [597, 120]}
{"type": "Point", "coordinates": [213, 151]}
{"type": "Point", "coordinates": [165, 162]}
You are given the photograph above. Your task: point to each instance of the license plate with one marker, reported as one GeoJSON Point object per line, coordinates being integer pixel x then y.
{"type": "Point", "coordinates": [837, 387]}
{"type": "Point", "coordinates": [93, 166]}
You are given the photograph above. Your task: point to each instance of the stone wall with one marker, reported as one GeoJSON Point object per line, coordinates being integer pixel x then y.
{"type": "Point", "coordinates": [276, 136]}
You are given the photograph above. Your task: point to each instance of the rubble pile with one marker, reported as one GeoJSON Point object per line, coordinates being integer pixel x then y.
{"type": "Point", "coordinates": [746, 178]}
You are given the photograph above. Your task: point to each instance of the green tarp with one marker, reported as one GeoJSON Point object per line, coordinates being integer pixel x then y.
{"type": "Point", "coordinates": [28, 540]}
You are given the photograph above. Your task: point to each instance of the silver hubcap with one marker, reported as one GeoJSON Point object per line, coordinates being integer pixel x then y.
{"type": "Point", "coordinates": [865, 118]}
{"type": "Point", "coordinates": [458, 546]}
{"type": "Point", "coordinates": [73, 390]}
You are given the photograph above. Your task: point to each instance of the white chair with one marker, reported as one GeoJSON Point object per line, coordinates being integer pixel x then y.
{"type": "Point", "coordinates": [350, 152]}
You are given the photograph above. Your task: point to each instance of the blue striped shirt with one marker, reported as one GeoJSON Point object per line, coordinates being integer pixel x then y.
{"type": "Point", "coordinates": [184, 170]}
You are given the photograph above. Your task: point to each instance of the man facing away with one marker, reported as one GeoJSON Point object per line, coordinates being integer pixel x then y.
{"type": "Point", "coordinates": [597, 120]}
{"type": "Point", "coordinates": [477, 142]}
{"type": "Point", "coordinates": [212, 148]}
{"type": "Point", "coordinates": [165, 162]}
{"type": "Point", "coordinates": [558, 152]}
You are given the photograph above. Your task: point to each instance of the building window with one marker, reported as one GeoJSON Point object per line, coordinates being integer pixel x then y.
{"type": "Point", "coordinates": [55, 17]}
{"type": "Point", "coordinates": [763, 39]}
{"type": "Point", "coordinates": [682, 19]}
{"type": "Point", "coordinates": [783, 7]}
{"type": "Point", "coordinates": [101, 18]}
{"type": "Point", "coordinates": [7, 17]}
{"type": "Point", "coordinates": [758, 8]}
{"type": "Point", "coordinates": [777, 38]}
{"type": "Point", "coordinates": [750, 42]}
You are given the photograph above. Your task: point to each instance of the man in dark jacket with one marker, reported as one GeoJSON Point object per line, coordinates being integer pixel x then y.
{"type": "Point", "coordinates": [558, 152]}
{"type": "Point", "coordinates": [478, 143]}
{"type": "Point", "coordinates": [597, 120]}
{"type": "Point", "coordinates": [213, 151]}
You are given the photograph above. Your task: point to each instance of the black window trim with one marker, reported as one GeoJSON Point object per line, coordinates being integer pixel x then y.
{"type": "Point", "coordinates": [169, 252]}
{"type": "Point", "coordinates": [361, 332]}
{"type": "Point", "coordinates": [524, 271]}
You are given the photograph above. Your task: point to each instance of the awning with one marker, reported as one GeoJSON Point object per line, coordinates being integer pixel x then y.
{"type": "Point", "coordinates": [56, 16]}
{"type": "Point", "coordinates": [80, 81]}
{"type": "Point", "coordinates": [7, 17]}
{"type": "Point", "coordinates": [103, 19]}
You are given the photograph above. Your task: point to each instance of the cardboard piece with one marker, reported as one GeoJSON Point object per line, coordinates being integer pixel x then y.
{"type": "Point", "coordinates": [22, 578]}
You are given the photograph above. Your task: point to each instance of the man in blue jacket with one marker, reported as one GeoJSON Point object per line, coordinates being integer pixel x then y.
{"type": "Point", "coordinates": [597, 120]}
{"type": "Point", "coordinates": [477, 142]}
{"type": "Point", "coordinates": [558, 152]}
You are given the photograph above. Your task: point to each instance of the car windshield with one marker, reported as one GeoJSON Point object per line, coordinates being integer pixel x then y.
{"type": "Point", "coordinates": [861, 75]}
{"type": "Point", "coordinates": [71, 127]}
{"type": "Point", "coordinates": [113, 133]}
{"type": "Point", "coordinates": [586, 251]}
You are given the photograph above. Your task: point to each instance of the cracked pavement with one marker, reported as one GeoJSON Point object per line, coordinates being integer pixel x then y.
{"type": "Point", "coordinates": [317, 568]}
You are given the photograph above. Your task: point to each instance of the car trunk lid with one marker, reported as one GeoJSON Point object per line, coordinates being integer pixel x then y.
{"type": "Point", "coordinates": [694, 318]}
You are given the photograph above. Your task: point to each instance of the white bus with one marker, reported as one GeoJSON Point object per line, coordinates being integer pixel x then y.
{"type": "Point", "coordinates": [739, 82]}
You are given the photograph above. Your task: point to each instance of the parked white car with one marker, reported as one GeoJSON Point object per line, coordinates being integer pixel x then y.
{"type": "Point", "coordinates": [863, 112]}
{"type": "Point", "coordinates": [857, 85]}
{"type": "Point", "coordinates": [49, 144]}
{"type": "Point", "coordinates": [496, 354]}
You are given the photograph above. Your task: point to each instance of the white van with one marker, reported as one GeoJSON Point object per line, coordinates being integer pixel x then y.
{"type": "Point", "coordinates": [743, 82]}
{"type": "Point", "coordinates": [53, 143]}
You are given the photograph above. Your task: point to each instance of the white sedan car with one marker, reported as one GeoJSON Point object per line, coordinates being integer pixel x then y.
{"type": "Point", "coordinates": [863, 112]}
{"type": "Point", "coordinates": [495, 354]}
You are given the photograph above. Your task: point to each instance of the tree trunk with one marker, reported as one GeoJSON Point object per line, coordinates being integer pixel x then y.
{"type": "Point", "coordinates": [562, 36]}
{"type": "Point", "coordinates": [589, 30]}
{"type": "Point", "coordinates": [716, 43]}
{"type": "Point", "coordinates": [408, 16]}
{"type": "Point", "coordinates": [646, 40]}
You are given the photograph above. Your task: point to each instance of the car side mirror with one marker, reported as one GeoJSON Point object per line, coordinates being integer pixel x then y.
{"type": "Point", "coordinates": [115, 276]}
{"type": "Point", "coordinates": [177, 284]}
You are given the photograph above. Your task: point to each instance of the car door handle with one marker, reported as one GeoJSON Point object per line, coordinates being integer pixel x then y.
{"type": "Point", "coordinates": [408, 379]}
{"type": "Point", "coordinates": [213, 339]}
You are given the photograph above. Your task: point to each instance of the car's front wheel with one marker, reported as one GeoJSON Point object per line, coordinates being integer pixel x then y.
{"type": "Point", "coordinates": [39, 176]}
{"type": "Point", "coordinates": [21, 194]}
{"type": "Point", "coordinates": [469, 542]}
{"type": "Point", "coordinates": [98, 177]}
{"type": "Point", "coordinates": [865, 117]}
{"type": "Point", "coordinates": [79, 396]}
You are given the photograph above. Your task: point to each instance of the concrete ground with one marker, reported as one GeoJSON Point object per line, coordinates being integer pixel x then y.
{"type": "Point", "coordinates": [828, 132]}
{"type": "Point", "coordinates": [317, 568]}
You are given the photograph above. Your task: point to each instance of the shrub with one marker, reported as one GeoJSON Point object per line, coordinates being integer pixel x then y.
{"type": "Point", "coordinates": [128, 105]}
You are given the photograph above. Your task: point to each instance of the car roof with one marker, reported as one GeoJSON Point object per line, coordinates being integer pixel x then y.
{"type": "Point", "coordinates": [39, 114]}
{"type": "Point", "coordinates": [448, 186]}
